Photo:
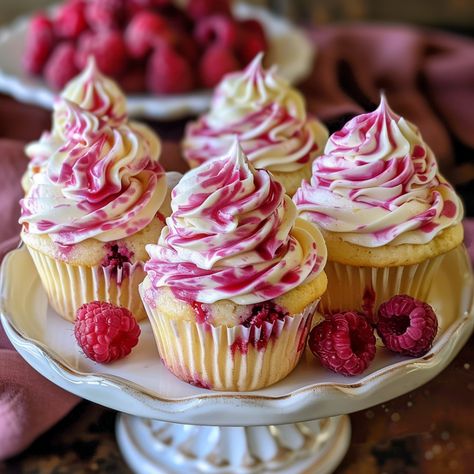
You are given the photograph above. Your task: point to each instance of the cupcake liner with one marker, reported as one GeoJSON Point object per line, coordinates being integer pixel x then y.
{"type": "Point", "coordinates": [230, 358]}
{"type": "Point", "coordinates": [352, 288]}
{"type": "Point", "coordinates": [70, 286]}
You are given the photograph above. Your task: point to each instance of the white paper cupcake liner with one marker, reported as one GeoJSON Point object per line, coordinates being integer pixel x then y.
{"type": "Point", "coordinates": [365, 288]}
{"type": "Point", "coordinates": [231, 358]}
{"type": "Point", "coordinates": [70, 286]}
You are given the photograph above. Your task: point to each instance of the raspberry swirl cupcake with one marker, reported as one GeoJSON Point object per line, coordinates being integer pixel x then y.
{"type": "Point", "coordinates": [270, 120]}
{"type": "Point", "coordinates": [234, 280]}
{"type": "Point", "coordinates": [387, 215]}
{"type": "Point", "coordinates": [93, 92]}
{"type": "Point", "coordinates": [90, 210]}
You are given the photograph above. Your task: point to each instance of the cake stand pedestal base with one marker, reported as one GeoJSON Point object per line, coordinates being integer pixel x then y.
{"type": "Point", "coordinates": [156, 447]}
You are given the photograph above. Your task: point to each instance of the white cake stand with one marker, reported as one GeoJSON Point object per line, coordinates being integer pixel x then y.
{"type": "Point", "coordinates": [292, 427]}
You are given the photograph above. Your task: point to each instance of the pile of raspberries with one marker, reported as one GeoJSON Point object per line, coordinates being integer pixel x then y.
{"type": "Point", "coordinates": [146, 45]}
{"type": "Point", "coordinates": [345, 342]}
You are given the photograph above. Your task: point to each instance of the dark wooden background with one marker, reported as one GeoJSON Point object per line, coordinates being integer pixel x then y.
{"type": "Point", "coordinates": [451, 14]}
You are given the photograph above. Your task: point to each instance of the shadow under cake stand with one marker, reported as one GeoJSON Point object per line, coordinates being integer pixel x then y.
{"type": "Point", "coordinates": [167, 426]}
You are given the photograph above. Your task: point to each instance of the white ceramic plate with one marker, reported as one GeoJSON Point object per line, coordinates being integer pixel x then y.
{"type": "Point", "coordinates": [289, 48]}
{"type": "Point", "coordinates": [141, 385]}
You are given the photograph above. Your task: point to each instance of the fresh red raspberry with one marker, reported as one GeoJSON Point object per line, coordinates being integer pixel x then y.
{"type": "Point", "coordinates": [215, 63]}
{"type": "Point", "coordinates": [70, 20]}
{"type": "Point", "coordinates": [39, 43]}
{"type": "Point", "coordinates": [344, 343]}
{"type": "Point", "coordinates": [252, 40]}
{"type": "Point", "coordinates": [105, 14]}
{"type": "Point", "coordinates": [407, 325]}
{"type": "Point", "coordinates": [217, 29]}
{"type": "Point", "coordinates": [146, 31]}
{"type": "Point", "coordinates": [61, 67]}
{"type": "Point", "coordinates": [198, 9]}
{"type": "Point", "coordinates": [177, 18]}
{"type": "Point", "coordinates": [108, 49]}
{"type": "Point", "coordinates": [105, 332]}
{"type": "Point", "coordinates": [168, 72]}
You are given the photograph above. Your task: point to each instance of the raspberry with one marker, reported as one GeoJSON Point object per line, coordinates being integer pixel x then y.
{"type": "Point", "coordinates": [252, 40]}
{"type": "Point", "coordinates": [265, 312]}
{"type": "Point", "coordinates": [215, 63]}
{"type": "Point", "coordinates": [105, 14]}
{"type": "Point", "coordinates": [168, 72]}
{"type": "Point", "coordinates": [61, 68]}
{"type": "Point", "coordinates": [70, 20]}
{"type": "Point", "coordinates": [217, 29]}
{"type": "Point", "coordinates": [407, 325]}
{"type": "Point", "coordinates": [105, 332]}
{"type": "Point", "coordinates": [198, 9]}
{"type": "Point", "coordinates": [145, 31]}
{"type": "Point", "coordinates": [108, 49]}
{"type": "Point", "coordinates": [39, 44]}
{"type": "Point", "coordinates": [344, 343]}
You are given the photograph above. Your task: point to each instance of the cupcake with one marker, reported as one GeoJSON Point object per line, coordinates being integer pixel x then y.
{"type": "Point", "coordinates": [235, 278]}
{"type": "Point", "coordinates": [270, 120]}
{"type": "Point", "coordinates": [387, 215]}
{"type": "Point", "coordinates": [90, 209]}
{"type": "Point", "coordinates": [93, 92]}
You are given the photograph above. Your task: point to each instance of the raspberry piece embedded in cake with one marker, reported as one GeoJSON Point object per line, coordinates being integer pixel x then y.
{"type": "Point", "coordinates": [105, 332]}
{"type": "Point", "coordinates": [117, 255]}
{"type": "Point", "coordinates": [344, 343]}
{"type": "Point", "coordinates": [265, 312]}
{"type": "Point", "coordinates": [407, 326]}
{"type": "Point", "coordinates": [39, 43]}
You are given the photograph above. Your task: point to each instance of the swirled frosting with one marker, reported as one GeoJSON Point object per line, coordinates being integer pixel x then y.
{"type": "Point", "coordinates": [268, 117]}
{"type": "Point", "coordinates": [378, 183]}
{"type": "Point", "coordinates": [93, 92]}
{"type": "Point", "coordinates": [104, 182]}
{"type": "Point", "coordinates": [233, 234]}
{"type": "Point", "coordinates": [96, 93]}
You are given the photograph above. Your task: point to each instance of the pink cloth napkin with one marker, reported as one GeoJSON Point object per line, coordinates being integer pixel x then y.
{"type": "Point", "coordinates": [29, 404]}
{"type": "Point", "coordinates": [427, 75]}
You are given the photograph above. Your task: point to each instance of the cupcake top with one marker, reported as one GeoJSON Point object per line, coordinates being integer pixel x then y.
{"type": "Point", "coordinates": [98, 94]}
{"type": "Point", "coordinates": [268, 116]}
{"type": "Point", "coordinates": [103, 182]}
{"type": "Point", "coordinates": [378, 184]}
{"type": "Point", "coordinates": [233, 235]}
{"type": "Point", "coordinates": [93, 92]}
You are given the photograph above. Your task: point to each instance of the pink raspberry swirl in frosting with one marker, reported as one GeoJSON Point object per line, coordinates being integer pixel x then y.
{"type": "Point", "coordinates": [378, 183]}
{"type": "Point", "coordinates": [104, 182]}
{"type": "Point", "coordinates": [235, 235]}
{"type": "Point", "coordinates": [93, 92]}
{"type": "Point", "coordinates": [268, 116]}
{"type": "Point", "coordinates": [98, 94]}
